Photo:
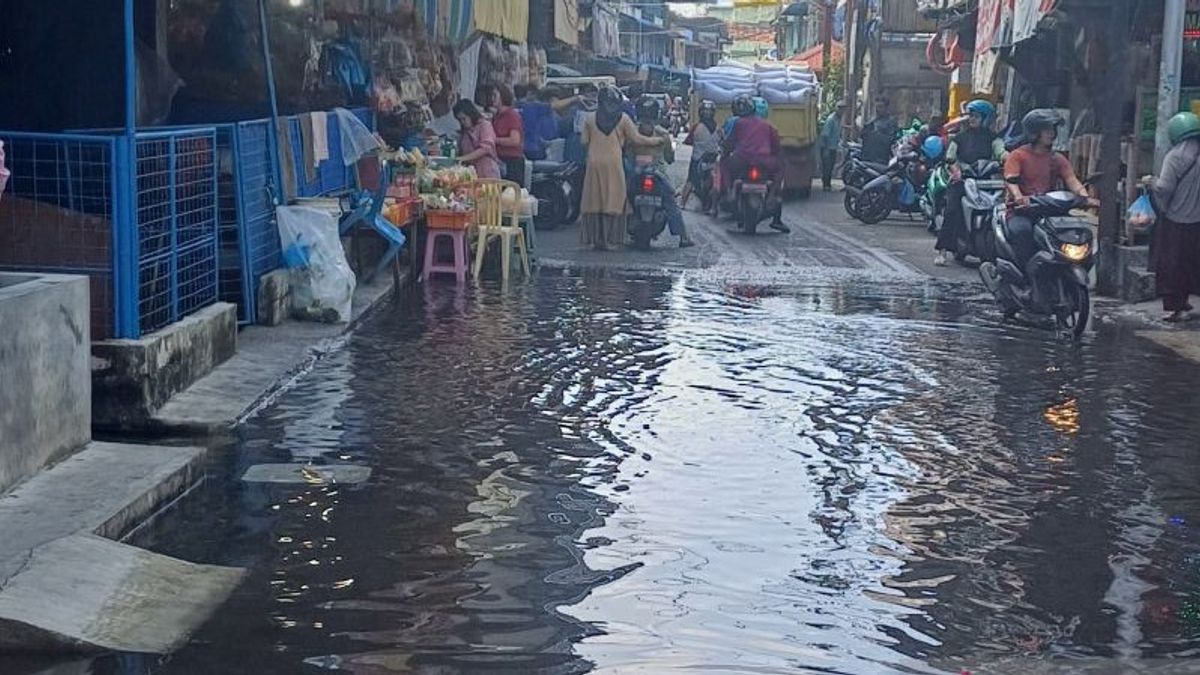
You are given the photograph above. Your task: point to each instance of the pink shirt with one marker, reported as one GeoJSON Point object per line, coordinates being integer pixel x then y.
{"type": "Point", "coordinates": [481, 136]}
{"type": "Point", "coordinates": [753, 139]}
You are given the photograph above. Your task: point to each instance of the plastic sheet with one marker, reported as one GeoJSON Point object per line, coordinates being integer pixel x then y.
{"type": "Point", "coordinates": [1140, 215]}
{"type": "Point", "coordinates": [357, 139]}
{"type": "Point", "coordinates": [322, 282]}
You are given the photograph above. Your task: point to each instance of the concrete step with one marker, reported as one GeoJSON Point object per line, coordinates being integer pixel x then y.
{"type": "Point", "coordinates": [64, 582]}
{"type": "Point", "coordinates": [87, 592]}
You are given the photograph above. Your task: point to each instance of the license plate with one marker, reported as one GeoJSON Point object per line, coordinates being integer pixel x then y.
{"type": "Point", "coordinates": [754, 187]}
{"type": "Point", "coordinates": [647, 200]}
{"type": "Point", "coordinates": [989, 184]}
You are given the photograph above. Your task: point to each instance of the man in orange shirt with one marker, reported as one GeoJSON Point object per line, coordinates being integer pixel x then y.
{"type": "Point", "coordinates": [1035, 169]}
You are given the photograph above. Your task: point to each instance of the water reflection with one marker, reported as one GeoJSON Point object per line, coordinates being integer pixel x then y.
{"type": "Point", "coordinates": [611, 473]}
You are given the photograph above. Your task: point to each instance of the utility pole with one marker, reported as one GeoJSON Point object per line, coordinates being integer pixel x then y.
{"type": "Point", "coordinates": [850, 43]}
{"type": "Point", "coordinates": [1168, 74]}
{"type": "Point", "coordinates": [827, 35]}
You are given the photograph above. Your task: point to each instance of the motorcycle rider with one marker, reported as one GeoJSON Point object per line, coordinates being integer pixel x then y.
{"type": "Point", "coordinates": [704, 141]}
{"type": "Point", "coordinates": [656, 158]}
{"type": "Point", "coordinates": [1035, 169]}
{"type": "Point", "coordinates": [974, 143]}
{"type": "Point", "coordinates": [753, 141]}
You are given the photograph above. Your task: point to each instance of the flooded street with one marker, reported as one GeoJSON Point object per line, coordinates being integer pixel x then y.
{"type": "Point", "coordinates": [612, 472]}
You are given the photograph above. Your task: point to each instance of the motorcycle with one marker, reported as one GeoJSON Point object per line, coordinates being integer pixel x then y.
{"type": "Point", "coordinates": [677, 121]}
{"type": "Point", "coordinates": [649, 217]}
{"type": "Point", "coordinates": [895, 190]}
{"type": "Point", "coordinates": [754, 199]}
{"type": "Point", "coordinates": [705, 188]}
{"type": "Point", "coordinates": [856, 173]}
{"type": "Point", "coordinates": [983, 194]}
{"type": "Point", "coordinates": [1055, 281]}
{"type": "Point", "coordinates": [933, 199]}
{"type": "Point", "coordinates": [557, 186]}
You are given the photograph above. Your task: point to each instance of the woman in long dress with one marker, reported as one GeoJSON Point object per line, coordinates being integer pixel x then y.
{"type": "Point", "coordinates": [604, 209]}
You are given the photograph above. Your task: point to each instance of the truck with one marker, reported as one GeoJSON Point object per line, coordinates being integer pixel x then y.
{"type": "Point", "coordinates": [798, 126]}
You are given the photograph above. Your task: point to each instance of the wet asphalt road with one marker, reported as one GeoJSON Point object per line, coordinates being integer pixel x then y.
{"type": "Point", "coordinates": [769, 455]}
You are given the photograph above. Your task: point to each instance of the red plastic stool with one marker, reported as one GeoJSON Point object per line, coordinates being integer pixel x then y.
{"type": "Point", "coordinates": [458, 265]}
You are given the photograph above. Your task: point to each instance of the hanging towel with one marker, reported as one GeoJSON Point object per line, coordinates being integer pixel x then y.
{"type": "Point", "coordinates": [287, 160]}
{"type": "Point", "coordinates": [306, 147]}
{"type": "Point", "coordinates": [320, 127]}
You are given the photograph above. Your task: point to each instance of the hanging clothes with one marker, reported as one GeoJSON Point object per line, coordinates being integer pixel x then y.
{"type": "Point", "coordinates": [320, 127]}
{"type": "Point", "coordinates": [306, 147]}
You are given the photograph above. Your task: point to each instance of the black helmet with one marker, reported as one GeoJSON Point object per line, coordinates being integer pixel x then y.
{"type": "Point", "coordinates": [743, 105]}
{"type": "Point", "coordinates": [648, 110]}
{"type": "Point", "coordinates": [708, 108]}
{"type": "Point", "coordinates": [1038, 120]}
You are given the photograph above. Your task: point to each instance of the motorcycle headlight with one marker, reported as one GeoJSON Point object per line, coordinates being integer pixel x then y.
{"type": "Point", "coordinates": [1075, 252]}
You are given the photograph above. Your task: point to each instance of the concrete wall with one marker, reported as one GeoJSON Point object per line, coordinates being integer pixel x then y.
{"type": "Point", "coordinates": [46, 390]}
{"type": "Point", "coordinates": [897, 69]}
{"type": "Point", "coordinates": [133, 378]}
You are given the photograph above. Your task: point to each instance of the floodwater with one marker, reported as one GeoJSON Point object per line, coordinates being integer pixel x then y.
{"type": "Point", "coordinates": [609, 473]}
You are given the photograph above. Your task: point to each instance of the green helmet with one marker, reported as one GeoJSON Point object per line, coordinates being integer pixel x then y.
{"type": "Point", "coordinates": [1183, 126]}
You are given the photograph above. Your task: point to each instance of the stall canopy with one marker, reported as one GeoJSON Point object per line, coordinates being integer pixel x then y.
{"type": "Point", "coordinates": [451, 20]}
{"type": "Point", "coordinates": [508, 19]}
{"type": "Point", "coordinates": [566, 21]}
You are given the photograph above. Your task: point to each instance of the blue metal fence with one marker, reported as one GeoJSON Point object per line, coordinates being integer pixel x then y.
{"type": "Point", "coordinates": [249, 238]}
{"type": "Point", "coordinates": [332, 175]}
{"type": "Point", "coordinates": [148, 241]}
{"type": "Point", "coordinates": [58, 211]}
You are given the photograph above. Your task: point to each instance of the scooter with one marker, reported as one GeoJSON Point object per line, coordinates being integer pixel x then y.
{"type": "Point", "coordinates": [705, 188]}
{"type": "Point", "coordinates": [754, 199]}
{"type": "Point", "coordinates": [933, 199]}
{"type": "Point", "coordinates": [983, 194]}
{"type": "Point", "coordinates": [1055, 281]}
{"type": "Point", "coordinates": [896, 190]}
{"type": "Point", "coordinates": [677, 121]}
{"type": "Point", "coordinates": [856, 173]}
{"type": "Point", "coordinates": [557, 188]}
{"type": "Point", "coordinates": [649, 217]}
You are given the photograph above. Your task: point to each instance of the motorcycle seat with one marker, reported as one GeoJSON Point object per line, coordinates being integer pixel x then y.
{"type": "Point", "coordinates": [548, 166]}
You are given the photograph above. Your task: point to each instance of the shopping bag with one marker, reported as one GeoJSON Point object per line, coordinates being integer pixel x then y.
{"type": "Point", "coordinates": [1141, 216]}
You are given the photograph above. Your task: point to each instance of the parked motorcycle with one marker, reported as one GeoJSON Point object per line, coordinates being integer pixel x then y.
{"type": "Point", "coordinates": [754, 199]}
{"type": "Point", "coordinates": [856, 173]}
{"type": "Point", "coordinates": [1055, 281]}
{"type": "Point", "coordinates": [983, 194]}
{"type": "Point", "coordinates": [649, 217]}
{"type": "Point", "coordinates": [898, 189]}
{"type": "Point", "coordinates": [557, 186]}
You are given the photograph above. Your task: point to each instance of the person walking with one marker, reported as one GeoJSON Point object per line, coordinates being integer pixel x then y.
{"type": "Point", "coordinates": [477, 140]}
{"type": "Point", "coordinates": [604, 204]}
{"type": "Point", "coordinates": [1175, 248]}
{"type": "Point", "coordinates": [829, 143]}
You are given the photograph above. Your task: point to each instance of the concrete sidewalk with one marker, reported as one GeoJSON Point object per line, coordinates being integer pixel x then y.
{"type": "Point", "coordinates": [266, 361]}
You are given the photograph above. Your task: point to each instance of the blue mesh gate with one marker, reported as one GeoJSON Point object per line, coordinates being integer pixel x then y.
{"type": "Point", "coordinates": [249, 238]}
{"type": "Point", "coordinates": [148, 241]}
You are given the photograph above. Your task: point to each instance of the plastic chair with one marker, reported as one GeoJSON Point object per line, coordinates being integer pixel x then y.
{"type": "Point", "coordinates": [494, 220]}
{"type": "Point", "coordinates": [367, 210]}
{"type": "Point", "coordinates": [460, 262]}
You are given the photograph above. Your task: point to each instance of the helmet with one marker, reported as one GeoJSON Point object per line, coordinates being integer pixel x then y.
{"type": "Point", "coordinates": [708, 108]}
{"type": "Point", "coordinates": [742, 105]}
{"type": "Point", "coordinates": [1183, 126]}
{"type": "Point", "coordinates": [648, 110]}
{"type": "Point", "coordinates": [1038, 120]}
{"type": "Point", "coordinates": [761, 107]}
{"type": "Point", "coordinates": [933, 147]}
{"type": "Point", "coordinates": [984, 109]}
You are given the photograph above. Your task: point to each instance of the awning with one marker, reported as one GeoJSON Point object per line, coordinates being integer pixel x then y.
{"type": "Point", "coordinates": [795, 9]}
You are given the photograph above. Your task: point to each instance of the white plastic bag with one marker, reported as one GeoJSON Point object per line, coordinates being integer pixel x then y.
{"type": "Point", "coordinates": [4, 173]}
{"type": "Point", "coordinates": [321, 280]}
{"type": "Point", "coordinates": [357, 139]}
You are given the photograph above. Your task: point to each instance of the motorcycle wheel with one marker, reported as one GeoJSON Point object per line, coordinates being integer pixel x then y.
{"type": "Point", "coordinates": [1074, 318]}
{"type": "Point", "coordinates": [553, 205]}
{"type": "Point", "coordinates": [874, 206]}
{"type": "Point", "coordinates": [850, 202]}
{"type": "Point", "coordinates": [747, 218]}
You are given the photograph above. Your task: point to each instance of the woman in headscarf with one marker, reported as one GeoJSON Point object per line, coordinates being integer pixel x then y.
{"type": "Point", "coordinates": [604, 207]}
{"type": "Point", "coordinates": [1175, 249]}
